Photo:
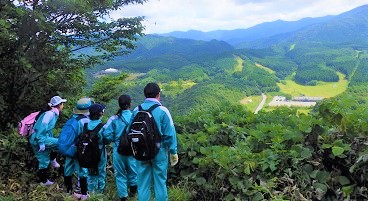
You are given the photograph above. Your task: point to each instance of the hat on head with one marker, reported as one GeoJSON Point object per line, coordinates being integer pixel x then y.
{"type": "Point", "coordinates": [83, 105]}
{"type": "Point", "coordinates": [151, 90]}
{"type": "Point", "coordinates": [96, 109]}
{"type": "Point", "coordinates": [56, 100]}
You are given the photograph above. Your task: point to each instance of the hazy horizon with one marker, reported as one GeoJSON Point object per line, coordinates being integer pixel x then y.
{"type": "Point", "coordinates": [163, 16]}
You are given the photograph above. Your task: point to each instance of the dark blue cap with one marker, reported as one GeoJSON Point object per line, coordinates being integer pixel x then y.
{"type": "Point", "coordinates": [96, 108]}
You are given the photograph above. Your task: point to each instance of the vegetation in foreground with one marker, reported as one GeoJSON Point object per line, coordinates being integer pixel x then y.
{"type": "Point", "coordinates": [231, 154]}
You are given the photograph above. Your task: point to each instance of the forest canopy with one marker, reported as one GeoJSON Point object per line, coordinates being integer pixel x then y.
{"type": "Point", "coordinates": [39, 44]}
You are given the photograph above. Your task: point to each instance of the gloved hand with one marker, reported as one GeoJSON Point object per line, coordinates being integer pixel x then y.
{"type": "Point", "coordinates": [42, 147]}
{"type": "Point", "coordinates": [174, 159]}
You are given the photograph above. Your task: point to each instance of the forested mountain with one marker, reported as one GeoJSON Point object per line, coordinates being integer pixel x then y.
{"type": "Point", "coordinates": [349, 29]}
{"type": "Point", "coordinates": [344, 28]}
{"type": "Point", "coordinates": [317, 52]}
{"type": "Point", "coordinates": [171, 53]}
{"type": "Point", "coordinates": [188, 69]}
{"type": "Point", "coordinates": [263, 30]}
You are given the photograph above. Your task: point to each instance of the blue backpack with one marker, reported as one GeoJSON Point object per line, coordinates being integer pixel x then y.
{"type": "Point", "coordinates": [68, 136]}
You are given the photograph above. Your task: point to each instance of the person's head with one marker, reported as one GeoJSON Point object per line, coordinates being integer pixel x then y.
{"type": "Point", "coordinates": [152, 90]}
{"type": "Point", "coordinates": [83, 106]}
{"type": "Point", "coordinates": [124, 102]}
{"type": "Point", "coordinates": [57, 102]}
{"type": "Point", "coordinates": [96, 111]}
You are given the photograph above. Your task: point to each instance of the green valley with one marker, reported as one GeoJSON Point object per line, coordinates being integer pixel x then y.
{"type": "Point", "coordinates": [211, 87]}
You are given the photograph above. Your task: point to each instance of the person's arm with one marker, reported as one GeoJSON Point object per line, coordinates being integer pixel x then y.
{"type": "Point", "coordinates": [168, 131]}
{"type": "Point", "coordinates": [110, 128]}
{"type": "Point", "coordinates": [44, 127]}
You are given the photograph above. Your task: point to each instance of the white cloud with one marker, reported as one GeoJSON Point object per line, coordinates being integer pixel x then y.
{"type": "Point", "coordinates": [206, 15]}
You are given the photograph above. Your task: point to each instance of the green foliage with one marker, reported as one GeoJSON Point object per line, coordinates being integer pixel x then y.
{"type": "Point", "coordinates": [18, 180]}
{"type": "Point", "coordinates": [228, 153]}
{"type": "Point", "coordinates": [39, 49]}
{"type": "Point", "coordinates": [107, 88]}
{"type": "Point", "coordinates": [156, 52]}
{"type": "Point", "coordinates": [274, 156]}
{"type": "Point", "coordinates": [204, 95]}
{"type": "Point", "coordinates": [311, 75]}
{"type": "Point", "coordinates": [281, 65]}
{"type": "Point", "coordinates": [180, 192]}
{"type": "Point", "coordinates": [359, 77]}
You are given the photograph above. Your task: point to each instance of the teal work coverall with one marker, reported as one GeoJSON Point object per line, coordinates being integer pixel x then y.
{"type": "Point", "coordinates": [71, 163]}
{"type": "Point", "coordinates": [124, 166]}
{"type": "Point", "coordinates": [43, 135]}
{"type": "Point", "coordinates": [156, 169]}
{"type": "Point", "coordinates": [97, 183]}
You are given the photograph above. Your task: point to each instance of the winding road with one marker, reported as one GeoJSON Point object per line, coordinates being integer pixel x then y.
{"type": "Point", "coordinates": [260, 106]}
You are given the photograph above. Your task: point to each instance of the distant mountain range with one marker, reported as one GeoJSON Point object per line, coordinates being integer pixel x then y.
{"type": "Point", "coordinates": [177, 49]}
{"type": "Point", "coordinates": [351, 26]}
{"type": "Point", "coordinates": [305, 51]}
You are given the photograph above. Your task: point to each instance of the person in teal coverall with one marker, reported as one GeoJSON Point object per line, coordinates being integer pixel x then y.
{"type": "Point", "coordinates": [156, 169]}
{"type": "Point", "coordinates": [43, 142]}
{"type": "Point", "coordinates": [71, 163]}
{"type": "Point", "coordinates": [124, 166]}
{"type": "Point", "coordinates": [96, 180]}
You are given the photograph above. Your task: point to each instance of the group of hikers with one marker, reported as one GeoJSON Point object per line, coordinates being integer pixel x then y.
{"type": "Point", "coordinates": [134, 172]}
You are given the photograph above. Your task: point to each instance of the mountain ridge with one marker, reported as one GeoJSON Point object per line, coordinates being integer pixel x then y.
{"type": "Point", "coordinates": [245, 38]}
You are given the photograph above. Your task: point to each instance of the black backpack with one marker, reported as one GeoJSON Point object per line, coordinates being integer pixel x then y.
{"type": "Point", "coordinates": [143, 136]}
{"type": "Point", "coordinates": [125, 147]}
{"type": "Point", "coordinates": [88, 152]}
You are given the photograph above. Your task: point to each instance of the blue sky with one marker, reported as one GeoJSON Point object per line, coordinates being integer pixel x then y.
{"type": "Point", "coordinates": [164, 16]}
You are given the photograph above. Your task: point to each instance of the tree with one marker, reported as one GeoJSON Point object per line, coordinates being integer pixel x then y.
{"type": "Point", "coordinates": [40, 43]}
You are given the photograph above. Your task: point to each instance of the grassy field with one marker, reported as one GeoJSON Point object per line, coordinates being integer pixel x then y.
{"type": "Point", "coordinates": [133, 76]}
{"type": "Point", "coordinates": [239, 65]}
{"type": "Point", "coordinates": [251, 102]}
{"type": "Point", "coordinates": [322, 89]}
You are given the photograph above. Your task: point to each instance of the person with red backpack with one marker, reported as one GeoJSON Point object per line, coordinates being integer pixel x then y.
{"type": "Point", "coordinates": [43, 141]}
{"type": "Point", "coordinates": [124, 165]}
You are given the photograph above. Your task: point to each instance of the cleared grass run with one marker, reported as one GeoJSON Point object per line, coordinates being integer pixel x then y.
{"type": "Point", "coordinates": [239, 65]}
{"type": "Point", "coordinates": [265, 68]}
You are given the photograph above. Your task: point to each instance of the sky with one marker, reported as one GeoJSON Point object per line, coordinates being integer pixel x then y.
{"type": "Point", "coordinates": [163, 16]}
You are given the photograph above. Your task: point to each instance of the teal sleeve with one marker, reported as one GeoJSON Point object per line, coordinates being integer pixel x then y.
{"type": "Point", "coordinates": [109, 132]}
{"type": "Point", "coordinates": [169, 133]}
{"type": "Point", "coordinates": [41, 133]}
{"type": "Point", "coordinates": [44, 126]}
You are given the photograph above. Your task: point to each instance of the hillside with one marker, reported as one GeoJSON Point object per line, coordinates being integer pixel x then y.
{"type": "Point", "coordinates": [168, 53]}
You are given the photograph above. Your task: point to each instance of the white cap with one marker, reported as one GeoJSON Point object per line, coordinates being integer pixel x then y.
{"type": "Point", "coordinates": [56, 100]}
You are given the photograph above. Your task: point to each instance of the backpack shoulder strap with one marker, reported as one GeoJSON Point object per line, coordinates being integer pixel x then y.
{"type": "Point", "coordinates": [85, 128]}
{"type": "Point", "coordinates": [152, 108]}
{"type": "Point", "coordinates": [123, 120]}
{"type": "Point", "coordinates": [80, 116]}
{"type": "Point", "coordinates": [149, 109]}
{"type": "Point", "coordinates": [98, 128]}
